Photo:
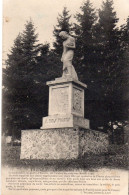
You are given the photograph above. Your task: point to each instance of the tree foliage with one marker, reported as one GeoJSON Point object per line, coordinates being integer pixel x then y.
{"type": "Point", "coordinates": [84, 60]}
{"type": "Point", "coordinates": [109, 54]}
{"type": "Point", "coordinates": [25, 94]}
{"type": "Point", "coordinates": [63, 25]}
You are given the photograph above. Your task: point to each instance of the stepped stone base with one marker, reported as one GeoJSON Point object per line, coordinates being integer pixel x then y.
{"type": "Point", "coordinates": [63, 143]}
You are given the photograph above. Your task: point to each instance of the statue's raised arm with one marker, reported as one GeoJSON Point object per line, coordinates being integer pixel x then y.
{"type": "Point", "coordinates": [67, 55]}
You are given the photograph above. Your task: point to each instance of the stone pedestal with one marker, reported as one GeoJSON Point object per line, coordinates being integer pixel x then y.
{"type": "Point", "coordinates": [65, 133]}
{"type": "Point", "coordinates": [66, 104]}
{"type": "Point", "coordinates": [62, 143]}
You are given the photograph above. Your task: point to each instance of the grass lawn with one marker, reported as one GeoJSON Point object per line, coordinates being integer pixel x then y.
{"type": "Point", "coordinates": [116, 158]}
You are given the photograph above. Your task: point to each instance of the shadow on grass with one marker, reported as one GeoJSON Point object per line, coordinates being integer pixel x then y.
{"type": "Point", "coordinates": [116, 158]}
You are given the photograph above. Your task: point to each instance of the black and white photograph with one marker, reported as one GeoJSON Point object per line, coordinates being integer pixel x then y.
{"type": "Point", "coordinates": [65, 97]}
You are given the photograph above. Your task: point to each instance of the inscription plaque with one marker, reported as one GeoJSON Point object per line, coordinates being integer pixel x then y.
{"type": "Point", "coordinates": [59, 100]}
{"type": "Point", "coordinates": [59, 121]}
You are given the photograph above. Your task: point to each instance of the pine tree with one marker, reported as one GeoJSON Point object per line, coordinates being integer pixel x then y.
{"type": "Point", "coordinates": [63, 25]}
{"type": "Point", "coordinates": [19, 82]}
{"type": "Point", "coordinates": [11, 79]}
{"type": "Point", "coordinates": [109, 53]}
{"type": "Point", "coordinates": [84, 53]}
{"type": "Point", "coordinates": [123, 84]}
{"type": "Point", "coordinates": [85, 58]}
{"type": "Point", "coordinates": [108, 47]}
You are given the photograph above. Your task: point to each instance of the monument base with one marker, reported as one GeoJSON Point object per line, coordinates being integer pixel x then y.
{"type": "Point", "coordinates": [63, 121]}
{"type": "Point", "coordinates": [63, 143]}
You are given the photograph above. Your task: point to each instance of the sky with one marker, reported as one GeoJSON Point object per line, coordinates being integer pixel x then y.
{"type": "Point", "coordinates": [44, 14]}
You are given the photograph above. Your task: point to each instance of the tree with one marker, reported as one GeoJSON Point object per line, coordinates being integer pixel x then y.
{"type": "Point", "coordinates": [84, 54]}
{"type": "Point", "coordinates": [85, 59]}
{"type": "Point", "coordinates": [108, 53]}
{"type": "Point", "coordinates": [19, 82]}
{"type": "Point", "coordinates": [63, 25]}
{"type": "Point", "coordinates": [25, 94]}
{"type": "Point", "coordinates": [10, 79]}
{"type": "Point", "coordinates": [124, 73]}
{"type": "Point", "coordinates": [112, 62]}
{"type": "Point", "coordinates": [108, 48]}
{"type": "Point", "coordinates": [48, 68]}
{"type": "Point", "coordinates": [125, 60]}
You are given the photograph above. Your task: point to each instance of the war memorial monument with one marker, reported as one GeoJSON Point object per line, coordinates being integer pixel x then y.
{"type": "Point", "coordinates": [65, 133]}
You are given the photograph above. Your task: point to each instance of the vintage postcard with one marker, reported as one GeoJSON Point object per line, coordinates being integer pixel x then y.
{"type": "Point", "coordinates": [65, 99]}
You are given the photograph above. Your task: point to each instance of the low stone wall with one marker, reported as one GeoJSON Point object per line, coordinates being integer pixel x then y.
{"type": "Point", "coordinates": [92, 141]}
{"type": "Point", "coordinates": [50, 144]}
{"type": "Point", "coordinates": [64, 143]}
